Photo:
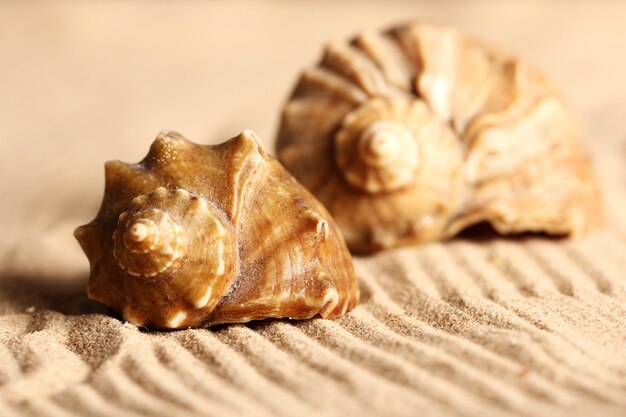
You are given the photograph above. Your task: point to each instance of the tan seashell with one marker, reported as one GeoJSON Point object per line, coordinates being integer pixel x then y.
{"type": "Point", "coordinates": [200, 235]}
{"type": "Point", "coordinates": [418, 132]}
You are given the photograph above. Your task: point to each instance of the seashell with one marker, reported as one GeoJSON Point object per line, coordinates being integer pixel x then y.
{"type": "Point", "coordinates": [200, 235]}
{"type": "Point", "coordinates": [418, 132]}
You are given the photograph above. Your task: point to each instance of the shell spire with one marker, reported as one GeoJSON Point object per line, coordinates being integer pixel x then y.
{"type": "Point", "coordinates": [191, 236]}
{"type": "Point", "coordinates": [417, 132]}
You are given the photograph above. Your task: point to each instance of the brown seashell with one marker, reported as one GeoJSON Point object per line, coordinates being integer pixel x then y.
{"type": "Point", "coordinates": [200, 235]}
{"type": "Point", "coordinates": [418, 132]}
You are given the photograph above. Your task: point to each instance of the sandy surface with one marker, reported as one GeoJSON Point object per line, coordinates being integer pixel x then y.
{"type": "Point", "coordinates": [477, 327]}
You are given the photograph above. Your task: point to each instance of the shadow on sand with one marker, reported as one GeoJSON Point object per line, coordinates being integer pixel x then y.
{"type": "Point", "coordinates": [484, 232]}
{"type": "Point", "coordinates": [23, 293]}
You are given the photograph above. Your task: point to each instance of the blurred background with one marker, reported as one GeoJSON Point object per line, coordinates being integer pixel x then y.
{"type": "Point", "coordinates": [82, 82]}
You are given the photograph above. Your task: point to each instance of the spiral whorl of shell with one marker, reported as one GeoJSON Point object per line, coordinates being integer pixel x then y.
{"type": "Point", "coordinates": [376, 148]}
{"type": "Point", "coordinates": [200, 235]}
{"type": "Point", "coordinates": [148, 242]}
{"type": "Point", "coordinates": [415, 133]}
{"type": "Point", "coordinates": [172, 239]}
{"type": "Point", "coordinates": [165, 227]}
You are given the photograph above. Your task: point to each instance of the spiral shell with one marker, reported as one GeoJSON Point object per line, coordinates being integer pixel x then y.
{"type": "Point", "coordinates": [418, 132]}
{"type": "Point", "coordinates": [200, 235]}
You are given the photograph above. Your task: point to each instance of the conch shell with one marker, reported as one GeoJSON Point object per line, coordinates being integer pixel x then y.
{"type": "Point", "coordinates": [418, 132]}
{"type": "Point", "coordinates": [199, 235]}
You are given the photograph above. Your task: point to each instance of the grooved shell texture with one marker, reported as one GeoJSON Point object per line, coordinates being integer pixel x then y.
{"type": "Point", "coordinates": [200, 235]}
{"type": "Point", "coordinates": [415, 133]}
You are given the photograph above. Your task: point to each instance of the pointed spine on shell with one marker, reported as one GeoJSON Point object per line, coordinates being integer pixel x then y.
{"type": "Point", "coordinates": [201, 235]}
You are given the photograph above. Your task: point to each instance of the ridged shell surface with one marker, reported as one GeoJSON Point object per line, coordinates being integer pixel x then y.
{"type": "Point", "coordinates": [417, 132]}
{"type": "Point", "coordinates": [200, 235]}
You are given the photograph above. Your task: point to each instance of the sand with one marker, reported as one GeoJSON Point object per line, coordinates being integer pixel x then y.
{"type": "Point", "coordinates": [480, 326]}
